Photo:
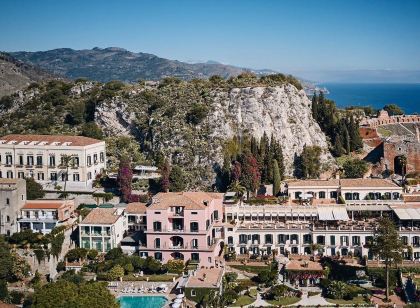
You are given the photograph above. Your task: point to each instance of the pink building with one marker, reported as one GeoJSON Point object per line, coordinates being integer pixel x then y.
{"type": "Point", "coordinates": [185, 226]}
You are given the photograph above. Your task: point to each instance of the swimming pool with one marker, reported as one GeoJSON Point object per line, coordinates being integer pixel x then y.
{"type": "Point", "coordinates": [142, 301]}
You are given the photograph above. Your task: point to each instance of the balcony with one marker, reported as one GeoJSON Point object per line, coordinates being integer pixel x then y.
{"type": "Point", "coordinates": [38, 166]}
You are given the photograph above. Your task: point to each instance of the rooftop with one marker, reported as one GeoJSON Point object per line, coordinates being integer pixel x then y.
{"type": "Point", "coordinates": [48, 140]}
{"type": "Point", "coordinates": [303, 265]}
{"type": "Point", "coordinates": [367, 183]}
{"type": "Point", "coordinates": [46, 204]}
{"type": "Point", "coordinates": [4, 181]}
{"type": "Point", "coordinates": [102, 216]}
{"type": "Point", "coordinates": [136, 208]}
{"type": "Point", "coordinates": [206, 278]}
{"type": "Point", "coordinates": [189, 200]}
{"type": "Point", "coordinates": [314, 183]}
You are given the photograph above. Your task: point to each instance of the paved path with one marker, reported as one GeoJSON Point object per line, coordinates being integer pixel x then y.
{"type": "Point", "coordinates": [259, 302]}
{"type": "Point", "coordinates": [312, 300]}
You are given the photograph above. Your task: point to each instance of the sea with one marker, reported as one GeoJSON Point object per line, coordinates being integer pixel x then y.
{"type": "Point", "coordinates": [376, 95]}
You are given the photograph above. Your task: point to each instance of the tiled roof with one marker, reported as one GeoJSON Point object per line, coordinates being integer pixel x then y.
{"type": "Point", "coordinates": [367, 183]}
{"type": "Point", "coordinates": [206, 278]}
{"type": "Point", "coordinates": [314, 183]}
{"type": "Point", "coordinates": [46, 204]}
{"type": "Point", "coordinates": [412, 197]}
{"type": "Point", "coordinates": [136, 208]}
{"type": "Point", "coordinates": [5, 181]}
{"type": "Point", "coordinates": [102, 216]}
{"type": "Point", "coordinates": [190, 200]}
{"type": "Point", "coordinates": [296, 265]}
{"type": "Point", "coordinates": [49, 139]}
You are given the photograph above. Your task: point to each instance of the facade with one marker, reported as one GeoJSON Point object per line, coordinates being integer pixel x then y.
{"type": "Point", "coordinates": [71, 161]}
{"type": "Point", "coordinates": [102, 229]}
{"type": "Point", "coordinates": [44, 215]}
{"type": "Point", "coordinates": [12, 199]}
{"type": "Point", "coordinates": [337, 229]}
{"type": "Point", "coordinates": [184, 226]}
{"type": "Point", "coordinates": [348, 189]}
{"type": "Point", "coordinates": [201, 282]}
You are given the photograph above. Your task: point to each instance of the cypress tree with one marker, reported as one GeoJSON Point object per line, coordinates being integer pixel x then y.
{"type": "Point", "coordinates": [315, 106]}
{"type": "Point", "coordinates": [276, 178]}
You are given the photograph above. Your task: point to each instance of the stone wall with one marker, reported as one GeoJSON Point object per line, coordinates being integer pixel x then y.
{"type": "Point", "coordinates": [384, 119]}
{"type": "Point", "coordinates": [411, 150]}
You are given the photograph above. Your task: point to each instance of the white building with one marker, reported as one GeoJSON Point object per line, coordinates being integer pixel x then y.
{"type": "Point", "coordinates": [71, 161]}
{"type": "Point", "coordinates": [12, 199]}
{"type": "Point", "coordinates": [103, 229]}
{"type": "Point", "coordinates": [44, 215]}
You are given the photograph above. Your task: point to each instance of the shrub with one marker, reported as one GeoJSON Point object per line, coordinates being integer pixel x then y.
{"type": "Point", "coordinates": [231, 277]}
{"type": "Point", "coordinates": [337, 290]}
{"type": "Point", "coordinates": [16, 297]}
{"type": "Point", "coordinates": [175, 266]}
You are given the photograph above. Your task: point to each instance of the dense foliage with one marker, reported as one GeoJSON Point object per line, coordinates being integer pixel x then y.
{"type": "Point", "coordinates": [341, 128]}
{"type": "Point", "coordinates": [34, 190]}
{"type": "Point", "coordinates": [355, 168]}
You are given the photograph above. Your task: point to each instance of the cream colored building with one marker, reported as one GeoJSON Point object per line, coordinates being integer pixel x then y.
{"type": "Point", "coordinates": [44, 157]}
{"type": "Point", "coordinates": [12, 199]}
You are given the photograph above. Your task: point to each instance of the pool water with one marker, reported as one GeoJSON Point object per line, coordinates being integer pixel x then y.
{"type": "Point", "coordinates": [142, 301]}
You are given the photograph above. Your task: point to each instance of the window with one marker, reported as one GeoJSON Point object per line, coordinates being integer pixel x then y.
{"type": "Point", "coordinates": [268, 239]}
{"type": "Point", "coordinates": [332, 240]}
{"type": "Point", "coordinates": [348, 196]}
{"type": "Point", "coordinates": [194, 226]}
{"type": "Point", "coordinates": [89, 175]}
{"type": "Point", "coordinates": [64, 177]}
{"type": "Point", "coordinates": [194, 243]}
{"type": "Point", "coordinates": [157, 243]}
{"type": "Point", "coordinates": [193, 293]}
{"type": "Point", "coordinates": [282, 238]}
{"type": "Point", "coordinates": [76, 177]}
{"type": "Point", "coordinates": [95, 158]}
{"type": "Point", "coordinates": [243, 239]}
{"type": "Point", "coordinates": [7, 218]}
{"type": "Point", "coordinates": [1, 174]}
{"type": "Point", "coordinates": [89, 160]}
{"type": "Point", "coordinates": [52, 160]}
{"type": "Point", "coordinates": [53, 176]}
{"type": "Point", "coordinates": [322, 195]}
{"type": "Point", "coordinates": [216, 215]}
{"type": "Point", "coordinates": [40, 176]}
{"type": "Point", "coordinates": [297, 194]}
{"type": "Point", "coordinates": [344, 240]}
{"type": "Point", "coordinates": [356, 240]}
{"type": "Point", "coordinates": [7, 201]}
{"type": "Point", "coordinates": [75, 162]}
{"type": "Point", "coordinates": [9, 174]}
{"type": "Point", "coordinates": [30, 160]}
{"type": "Point", "coordinates": [39, 160]}
{"type": "Point", "coordinates": [230, 240]}
{"type": "Point", "coordinates": [194, 213]}
{"type": "Point", "coordinates": [333, 195]}
{"type": "Point", "coordinates": [20, 159]}
{"type": "Point", "coordinates": [307, 239]}
{"type": "Point", "coordinates": [9, 159]}
{"type": "Point", "coordinates": [157, 226]}
{"type": "Point", "coordinates": [101, 157]}
{"type": "Point", "coordinates": [158, 256]}
{"type": "Point", "coordinates": [207, 224]}
{"type": "Point", "coordinates": [21, 175]}
{"type": "Point", "coordinates": [195, 257]}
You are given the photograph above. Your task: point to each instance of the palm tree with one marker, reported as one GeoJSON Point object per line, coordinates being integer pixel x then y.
{"type": "Point", "coordinates": [238, 188]}
{"type": "Point", "coordinates": [314, 248]}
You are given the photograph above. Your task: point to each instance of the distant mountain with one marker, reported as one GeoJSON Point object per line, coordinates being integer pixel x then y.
{"type": "Point", "coordinates": [119, 64]}
{"type": "Point", "coordinates": [16, 75]}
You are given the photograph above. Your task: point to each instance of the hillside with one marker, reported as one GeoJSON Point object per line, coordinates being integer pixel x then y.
{"type": "Point", "coordinates": [119, 64]}
{"type": "Point", "coordinates": [188, 122]}
{"type": "Point", "coordinates": [16, 75]}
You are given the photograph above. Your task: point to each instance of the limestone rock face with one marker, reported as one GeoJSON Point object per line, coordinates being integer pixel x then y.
{"type": "Point", "coordinates": [283, 112]}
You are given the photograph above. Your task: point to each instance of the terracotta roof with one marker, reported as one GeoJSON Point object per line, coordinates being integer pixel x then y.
{"type": "Point", "coordinates": [136, 208]}
{"type": "Point", "coordinates": [189, 200]}
{"type": "Point", "coordinates": [46, 204]}
{"type": "Point", "coordinates": [49, 139]}
{"type": "Point", "coordinates": [4, 305]}
{"type": "Point", "coordinates": [102, 216]}
{"type": "Point", "coordinates": [304, 265]}
{"type": "Point", "coordinates": [5, 181]}
{"type": "Point", "coordinates": [411, 197]}
{"type": "Point", "coordinates": [367, 183]}
{"type": "Point", "coordinates": [314, 183]}
{"type": "Point", "coordinates": [206, 278]}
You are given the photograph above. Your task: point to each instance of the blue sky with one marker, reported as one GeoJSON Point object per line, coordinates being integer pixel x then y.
{"type": "Point", "coordinates": [288, 36]}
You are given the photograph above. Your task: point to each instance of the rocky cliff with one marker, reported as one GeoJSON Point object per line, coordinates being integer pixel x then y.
{"type": "Point", "coordinates": [188, 122]}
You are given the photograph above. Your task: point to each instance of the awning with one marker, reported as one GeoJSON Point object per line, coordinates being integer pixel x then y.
{"type": "Point", "coordinates": [368, 207]}
{"type": "Point", "coordinates": [332, 213]}
{"type": "Point", "coordinates": [407, 213]}
{"type": "Point", "coordinates": [325, 213]}
{"type": "Point", "coordinates": [340, 213]}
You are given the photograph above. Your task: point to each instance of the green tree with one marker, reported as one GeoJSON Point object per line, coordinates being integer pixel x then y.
{"type": "Point", "coordinates": [276, 178]}
{"type": "Point", "coordinates": [238, 188]}
{"type": "Point", "coordinates": [116, 272]}
{"type": "Point", "coordinates": [34, 190]}
{"type": "Point", "coordinates": [393, 109]}
{"type": "Point", "coordinates": [197, 113]}
{"type": "Point", "coordinates": [92, 130]}
{"type": "Point", "coordinates": [387, 246]}
{"type": "Point", "coordinates": [310, 161]}
{"type": "Point", "coordinates": [355, 168]}
{"type": "Point", "coordinates": [4, 292]}
{"type": "Point", "coordinates": [6, 260]}
{"type": "Point", "coordinates": [177, 179]}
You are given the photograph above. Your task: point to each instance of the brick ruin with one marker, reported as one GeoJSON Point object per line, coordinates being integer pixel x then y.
{"type": "Point", "coordinates": [385, 151]}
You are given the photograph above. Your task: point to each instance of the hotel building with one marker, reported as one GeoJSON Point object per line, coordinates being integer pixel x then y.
{"type": "Point", "coordinates": [71, 161]}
